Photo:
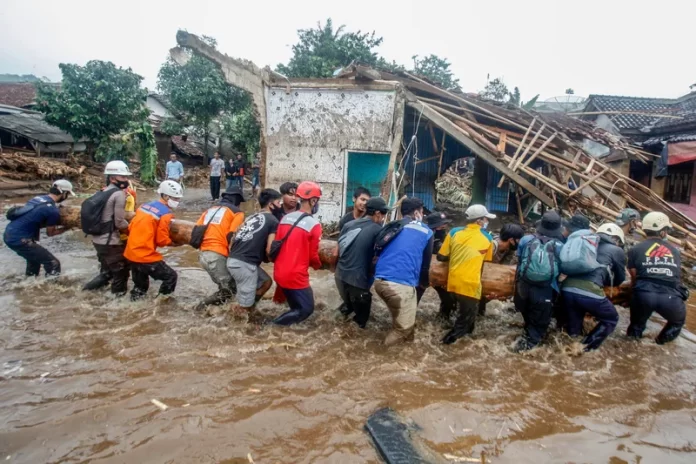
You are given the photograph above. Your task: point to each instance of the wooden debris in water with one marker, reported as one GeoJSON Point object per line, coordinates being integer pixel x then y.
{"type": "Point", "coordinates": [454, 458]}
{"type": "Point", "coordinates": [594, 394]}
{"type": "Point", "coordinates": [251, 460]}
{"type": "Point", "coordinates": [254, 390]}
{"type": "Point", "coordinates": [159, 404]}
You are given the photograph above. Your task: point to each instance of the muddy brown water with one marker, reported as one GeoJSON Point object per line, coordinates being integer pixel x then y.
{"type": "Point", "coordinates": [79, 371]}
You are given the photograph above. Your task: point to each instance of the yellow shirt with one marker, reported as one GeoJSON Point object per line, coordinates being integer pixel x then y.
{"type": "Point", "coordinates": [467, 248]}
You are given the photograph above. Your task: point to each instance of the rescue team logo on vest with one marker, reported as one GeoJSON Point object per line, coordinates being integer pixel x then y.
{"type": "Point", "coordinates": [156, 209]}
{"type": "Point", "coordinates": [659, 251]}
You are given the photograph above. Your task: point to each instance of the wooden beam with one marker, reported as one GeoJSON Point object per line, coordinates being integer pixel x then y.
{"type": "Point", "coordinates": [517, 152]}
{"type": "Point", "coordinates": [526, 150]}
{"type": "Point", "coordinates": [459, 135]}
{"type": "Point", "coordinates": [529, 160]}
{"type": "Point", "coordinates": [442, 154]}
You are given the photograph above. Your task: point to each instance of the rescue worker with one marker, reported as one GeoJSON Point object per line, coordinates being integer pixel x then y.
{"type": "Point", "coordinates": [174, 170]}
{"type": "Point", "coordinates": [110, 246]}
{"type": "Point", "coordinates": [360, 197]}
{"type": "Point", "coordinates": [655, 268]}
{"type": "Point", "coordinates": [466, 249]}
{"type": "Point", "coordinates": [403, 265]}
{"type": "Point", "coordinates": [584, 293]}
{"type": "Point", "coordinates": [536, 279]}
{"type": "Point", "coordinates": [22, 233]}
{"type": "Point", "coordinates": [301, 234]}
{"type": "Point", "coordinates": [222, 222]}
{"type": "Point", "coordinates": [250, 248]}
{"type": "Point", "coordinates": [149, 230]}
{"type": "Point", "coordinates": [629, 221]}
{"type": "Point", "coordinates": [439, 224]}
{"type": "Point", "coordinates": [356, 250]}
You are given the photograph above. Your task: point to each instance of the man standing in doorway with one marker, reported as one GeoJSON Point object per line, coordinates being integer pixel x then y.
{"type": "Point", "coordinates": [256, 173]}
{"type": "Point", "coordinates": [216, 167]}
{"type": "Point", "coordinates": [174, 169]}
{"type": "Point", "coordinates": [360, 197]}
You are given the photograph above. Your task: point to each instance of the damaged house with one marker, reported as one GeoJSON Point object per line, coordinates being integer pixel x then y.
{"type": "Point", "coordinates": [399, 134]}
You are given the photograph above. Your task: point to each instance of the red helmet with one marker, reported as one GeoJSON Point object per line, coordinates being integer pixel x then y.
{"type": "Point", "coordinates": [307, 190]}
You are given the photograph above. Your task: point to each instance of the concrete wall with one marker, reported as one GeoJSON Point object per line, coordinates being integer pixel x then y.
{"type": "Point", "coordinates": [309, 131]}
{"type": "Point", "coordinates": [156, 107]}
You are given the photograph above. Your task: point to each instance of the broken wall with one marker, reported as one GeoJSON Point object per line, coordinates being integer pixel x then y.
{"type": "Point", "coordinates": [311, 130]}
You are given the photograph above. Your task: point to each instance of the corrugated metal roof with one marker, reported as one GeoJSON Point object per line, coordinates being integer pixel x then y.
{"type": "Point", "coordinates": [33, 127]}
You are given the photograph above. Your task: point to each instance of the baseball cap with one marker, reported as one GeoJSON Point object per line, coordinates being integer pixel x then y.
{"type": "Point", "coordinates": [435, 220]}
{"type": "Point", "coordinates": [377, 204]}
{"type": "Point", "coordinates": [478, 212]}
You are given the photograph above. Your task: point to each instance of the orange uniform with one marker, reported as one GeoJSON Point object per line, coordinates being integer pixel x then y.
{"type": "Point", "coordinates": [220, 225]}
{"type": "Point", "coordinates": [148, 230]}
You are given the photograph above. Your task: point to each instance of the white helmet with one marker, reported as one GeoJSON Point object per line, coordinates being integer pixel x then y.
{"type": "Point", "coordinates": [612, 230]}
{"type": "Point", "coordinates": [64, 186]}
{"type": "Point", "coordinates": [170, 188]}
{"type": "Point", "coordinates": [117, 168]}
{"type": "Point", "coordinates": [656, 221]}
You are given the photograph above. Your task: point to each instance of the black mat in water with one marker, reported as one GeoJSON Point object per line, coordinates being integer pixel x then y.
{"type": "Point", "coordinates": [393, 439]}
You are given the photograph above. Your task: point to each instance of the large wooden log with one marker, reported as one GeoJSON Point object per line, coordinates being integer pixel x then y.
{"type": "Point", "coordinates": [498, 280]}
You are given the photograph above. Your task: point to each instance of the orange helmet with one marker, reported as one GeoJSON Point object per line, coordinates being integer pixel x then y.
{"type": "Point", "coordinates": [307, 190]}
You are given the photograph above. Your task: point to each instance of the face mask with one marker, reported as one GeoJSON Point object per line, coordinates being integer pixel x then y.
{"type": "Point", "coordinates": [173, 204]}
{"type": "Point", "coordinates": [315, 208]}
{"type": "Point", "coordinates": [122, 184]}
{"type": "Point", "coordinates": [440, 234]}
{"type": "Point", "coordinates": [418, 216]}
{"type": "Point", "coordinates": [514, 245]}
{"type": "Point", "coordinates": [485, 225]}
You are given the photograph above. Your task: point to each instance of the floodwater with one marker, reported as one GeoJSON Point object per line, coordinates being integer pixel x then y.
{"type": "Point", "coordinates": [79, 371]}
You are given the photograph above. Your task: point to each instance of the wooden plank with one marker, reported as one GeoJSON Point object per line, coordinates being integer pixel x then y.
{"type": "Point", "coordinates": [442, 154]}
{"type": "Point", "coordinates": [458, 134]}
{"type": "Point", "coordinates": [539, 150]}
{"type": "Point", "coordinates": [526, 150]}
{"type": "Point", "coordinates": [432, 136]}
{"type": "Point", "coordinates": [427, 159]}
{"type": "Point", "coordinates": [588, 169]}
{"type": "Point", "coordinates": [517, 152]}
{"type": "Point", "coordinates": [519, 205]}
{"type": "Point", "coordinates": [502, 142]}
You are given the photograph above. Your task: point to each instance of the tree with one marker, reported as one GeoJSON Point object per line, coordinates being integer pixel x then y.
{"type": "Point", "coordinates": [323, 50]}
{"type": "Point", "coordinates": [437, 70]}
{"type": "Point", "coordinates": [570, 91]}
{"type": "Point", "coordinates": [496, 90]}
{"type": "Point", "coordinates": [515, 97]}
{"type": "Point", "coordinates": [198, 92]}
{"type": "Point", "coordinates": [104, 104]}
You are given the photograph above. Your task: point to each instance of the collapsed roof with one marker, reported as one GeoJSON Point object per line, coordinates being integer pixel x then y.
{"type": "Point", "coordinates": [507, 138]}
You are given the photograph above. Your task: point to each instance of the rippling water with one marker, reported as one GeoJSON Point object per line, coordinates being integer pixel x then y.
{"type": "Point", "coordinates": [78, 372]}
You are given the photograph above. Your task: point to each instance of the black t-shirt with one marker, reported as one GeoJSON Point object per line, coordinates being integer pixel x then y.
{"type": "Point", "coordinates": [657, 264]}
{"type": "Point", "coordinates": [348, 217]}
{"type": "Point", "coordinates": [356, 246]}
{"type": "Point", "coordinates": [251, 238]}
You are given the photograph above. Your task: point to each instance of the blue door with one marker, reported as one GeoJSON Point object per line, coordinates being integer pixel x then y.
{"type": "Point", "coordinates": [367, 170]}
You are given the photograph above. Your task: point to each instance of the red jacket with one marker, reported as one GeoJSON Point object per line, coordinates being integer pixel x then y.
{"type": "Point", "coordinates": [298, 253]}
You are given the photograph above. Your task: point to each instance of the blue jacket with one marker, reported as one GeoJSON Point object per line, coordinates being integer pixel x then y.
{"type": "Point", "coordinates": [27, 226]}
{"type": "Point", "coordinates": [406, 259]}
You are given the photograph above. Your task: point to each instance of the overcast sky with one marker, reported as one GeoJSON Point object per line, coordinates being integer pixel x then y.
{"type": "Point", "coordinates": [636, 48]}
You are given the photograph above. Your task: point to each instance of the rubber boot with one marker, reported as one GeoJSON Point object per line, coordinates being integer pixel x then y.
{"type": "Point", "coordinates": [343, 309]}
{"type": "Point", "coordinates": [523, 344]}
{"type": "Point", "coordinates": [216, 299]}
{"type": "Point", "coordinates": [669, 332]}
{"type": "Point", "coordinates": [594, 339]}
{"type": "Point", "coordinates": [634, 332]}
{"type": "Point", "coordinates": [100, 281]}
{"type": "Point", "coordinates": [396, 336]}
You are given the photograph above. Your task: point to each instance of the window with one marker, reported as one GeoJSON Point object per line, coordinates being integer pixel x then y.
{"type": "Point", "coordinates": [679, 181]}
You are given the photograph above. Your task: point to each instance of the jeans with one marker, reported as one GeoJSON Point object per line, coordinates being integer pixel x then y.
{"type": "Point", "coordinates": [114, 268]}
{"type": "Point", "coordinates": [602, 309]}
{"type": "Point", "coordinates": [142, 272]}
{"type": "Point", "coordinates": [466, 319]}
{"type": "Point", "coordinates": [36, 256]}
{"type": "Point", "coordinates": [229, 181]}
{"type": "Point", "coordinates": [671, 307]}
{"type": "Point", "coordinates": [358, 301]}
{"type": "Point", "coordinates": [240, 179]}
{"type": "Point", "coordinates": [255, 181]}
{"type": "Point", "coordinates": [215, 187]}
{"type": "Point", "coordinates": [535, 302]}
{"type": "Point", "coordinates": [301, 304]}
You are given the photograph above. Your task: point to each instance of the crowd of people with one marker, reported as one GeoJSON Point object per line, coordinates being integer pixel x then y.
{"type": "Point", "coordinates": [561, 269]}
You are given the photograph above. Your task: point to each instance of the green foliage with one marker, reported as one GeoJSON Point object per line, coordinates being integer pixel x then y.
{"type": "Point", "coordinates": [496, 90]}
{"type": "Point", "coordinates": [570, 91]}
{"type": "Point", "coordinates": [242, 130]}
{"type": "Point", "coordinates": [515, 97]}
{"type": "Point", "coordinates": [437, 70]}
{"type": "Point", "coordinates": [104, 104]}
{"type": "Point", "coordinates": [323, 50]}
{"type": "Point", "coordinates": [530, 104]}
{"type": "Point", "coordinates": [172, 126]}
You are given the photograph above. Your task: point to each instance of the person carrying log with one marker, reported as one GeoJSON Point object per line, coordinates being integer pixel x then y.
{"type": "Point", "coordinates": [439, 224]}
{"type": "Point", "coordinates": [591, 262]}
{"type": "Point", "coordinates": [250, 248]}
{"type": "Point", "coordinates": [299, 235]}
{"type": "Point", "coordinates": [356, 250]}
{"type": "Point", "coordinates": [629, 221]}
{"type": "Point", "coordinates": [536, 279]}
{"type": "Point", "coordinates": [220, 223]}
{"type": "Point", "coordinates": [22, 233]}
{"type": "Point", "coordinates": [149, 230]}
{"type": "Point", "coordinates": [655, 269]}
{"type": "Point", "coordinates": [103, 216]}
{"type": "Point", "coordinates": [405, 250]}
{"type": "Point", "coordinates": [466, 249]}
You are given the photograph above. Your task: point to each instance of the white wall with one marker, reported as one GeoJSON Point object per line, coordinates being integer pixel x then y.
{"type": "Point", "coordinates": [309, 131]}
{"type": "Point", "coordinates": [156, 107]}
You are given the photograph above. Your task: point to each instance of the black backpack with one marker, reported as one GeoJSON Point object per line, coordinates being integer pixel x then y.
{"type": "Point", "coordinates": [387, 234]}
{"type": "Point", "coordinates": [92, 211]}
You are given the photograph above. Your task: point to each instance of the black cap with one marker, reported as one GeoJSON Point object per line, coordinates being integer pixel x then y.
{"type": "Point", "coordinates": [550, 225]}
{"type": "Point", "coordinates": [435, 220]}
{"type": "Point", "coordinates": [376, 204]}
{"type": "Point", "coordinates": [577, 222]}
{"type": "Point", "coordinates": [234, 190]}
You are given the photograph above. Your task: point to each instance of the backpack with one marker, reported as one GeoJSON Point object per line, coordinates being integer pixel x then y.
{"type": "Point", "coordinates": [387, 234]}
{"type": "Point", "coordinates": [198, 232]}
{"type": "Point", "coordinates": [579, 254]}
{"type": "Point", "coordinates": [92, 211]}
{"type": "Point", "coordinates": [538, 263]}
{"type": "Point", "coordinates": [276, 245]}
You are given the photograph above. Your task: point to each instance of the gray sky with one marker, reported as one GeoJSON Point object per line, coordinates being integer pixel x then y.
{"type": "Point", "coordinates": [614, 47]}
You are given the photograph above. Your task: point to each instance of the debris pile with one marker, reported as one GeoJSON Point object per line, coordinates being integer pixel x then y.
{"type": "Point", "coordinates": [454, 186]}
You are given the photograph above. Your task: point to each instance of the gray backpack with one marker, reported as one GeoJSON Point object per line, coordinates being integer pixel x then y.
{"type": "Point", "coordinates": [579, 254]}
